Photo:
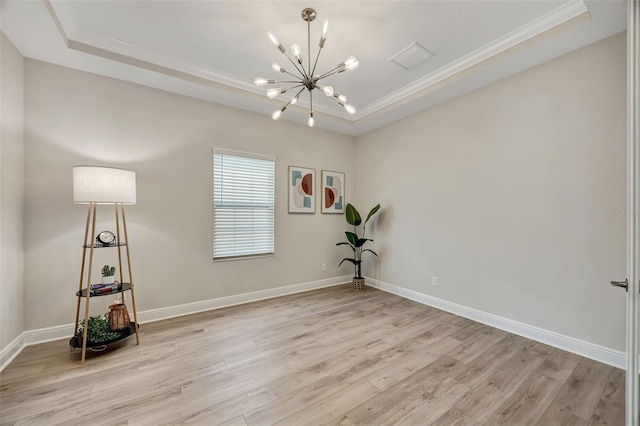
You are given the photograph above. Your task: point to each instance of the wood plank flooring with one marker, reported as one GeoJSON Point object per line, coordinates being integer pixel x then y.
{"type": "Point", "coordinates": [329, 356]}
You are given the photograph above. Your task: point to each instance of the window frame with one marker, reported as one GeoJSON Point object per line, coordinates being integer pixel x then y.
{"type": "Point", "coordinates": [251, 155]}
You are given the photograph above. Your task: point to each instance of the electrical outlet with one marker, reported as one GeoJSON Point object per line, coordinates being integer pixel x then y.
{"type": "Point", "coordinates": [324, 266]}
{"type": "Point", "coordinates": [434, 281]}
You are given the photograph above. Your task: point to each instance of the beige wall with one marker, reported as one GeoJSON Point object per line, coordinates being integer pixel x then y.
{"type": "Point", "coordinates": [11, 192]}
{"type": "Point", "coordinates": [74, 117]}
{"type": "Point", "coordinates": [504, 195]}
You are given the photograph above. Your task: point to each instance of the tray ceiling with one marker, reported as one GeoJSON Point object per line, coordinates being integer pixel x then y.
{"type": "Point", "coordinates": [214, 49]}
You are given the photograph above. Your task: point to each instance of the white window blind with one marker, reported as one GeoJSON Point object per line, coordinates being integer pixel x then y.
{"type": "Point", "coordinates": [243, 204]}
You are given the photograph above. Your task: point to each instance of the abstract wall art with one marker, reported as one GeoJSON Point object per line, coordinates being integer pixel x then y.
{"type": "Point", "coordinates": [302, 190]}
{"type": "Point", "coordinates": [332, 192]}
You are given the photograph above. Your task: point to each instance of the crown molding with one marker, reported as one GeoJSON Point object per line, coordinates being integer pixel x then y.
{"type": "Point", "coordinates": [89, 42]}
{"type": "Point", "coordinates": [520, 35]}
{"type": "Point", "coordinates": [63, 17]}
{"type": "Point", "coordinates": [86, 41]}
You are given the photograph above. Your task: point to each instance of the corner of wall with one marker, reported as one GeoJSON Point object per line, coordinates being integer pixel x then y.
{"type": "Point", "coordinates": [11, 198]}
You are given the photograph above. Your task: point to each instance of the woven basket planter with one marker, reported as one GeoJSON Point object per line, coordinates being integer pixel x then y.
{"type": "Point", "coordinates": [358, 284]}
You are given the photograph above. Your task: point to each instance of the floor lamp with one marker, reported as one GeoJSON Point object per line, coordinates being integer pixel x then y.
{"type": "Point", "coordinates": [95, 185]}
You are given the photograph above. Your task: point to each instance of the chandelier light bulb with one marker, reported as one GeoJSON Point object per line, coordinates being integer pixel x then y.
{"type": "Point", "coordinates": [328, 90]}
{"type": "Point", "coordinates": [311, 121]}
{"type": "Point", "coordinates": [294, 100]}
{"type": "Point", "coordinates": [276, 114]}
{"type": "Point", "coordinates": [273, 39]}
{"type": "Point", "coordinates": [296, 50]}
{"type": "Point", "coordinates": [272, 93]}
{"type": "Point", "coordinates": [351, 63]}
{"type": "Point", "coordinates": [350, 109]}
{"type": "Point", "coordinates": [324, 28]}
{"type": "Point", "coordinates": [276, 67]}
{"type": "Point", "coordinates": [260, 82]}
{"type": "Point", "coordinates": [341, 98]}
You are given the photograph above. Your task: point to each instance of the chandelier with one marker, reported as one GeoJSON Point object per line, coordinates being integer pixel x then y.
{"type": "Point", "coordinates": [307, 79]}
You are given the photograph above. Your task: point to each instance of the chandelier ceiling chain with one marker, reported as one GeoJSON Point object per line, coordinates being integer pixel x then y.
{"type": "Point", "coordinates": [307, 78]}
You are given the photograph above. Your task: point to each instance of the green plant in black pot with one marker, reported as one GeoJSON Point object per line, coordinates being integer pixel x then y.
{"type": "Point", "coordinates": [357, 242]}
{"type": "Point", "coordinates": [97, 330]}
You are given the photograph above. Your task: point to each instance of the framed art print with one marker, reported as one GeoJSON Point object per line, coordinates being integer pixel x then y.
{"type": "Point", "coordinates": [332, 192]}
{"type": "Point", "coordinates": [301, 190]}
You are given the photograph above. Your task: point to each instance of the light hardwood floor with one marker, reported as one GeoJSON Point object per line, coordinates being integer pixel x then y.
{"type": "Point", "coordinates": [328, 356]}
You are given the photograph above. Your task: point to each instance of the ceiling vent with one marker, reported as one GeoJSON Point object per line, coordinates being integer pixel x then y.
{"type": "Point", "coordinates": [412, 56]}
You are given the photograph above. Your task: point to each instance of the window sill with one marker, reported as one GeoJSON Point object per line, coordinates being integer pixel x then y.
{"type": "Point", "coordinates": [251, 256]}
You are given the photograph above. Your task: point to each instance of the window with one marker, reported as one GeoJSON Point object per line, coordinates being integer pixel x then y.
{"type": "Point", "coordinates": [243, 204]}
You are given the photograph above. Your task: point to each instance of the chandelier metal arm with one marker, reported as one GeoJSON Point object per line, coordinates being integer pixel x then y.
{"type": "Point", "coordinates": [316, 63]}
{"type": "Point", "coordinates": [309, 48]}
{"type": "Point", "coordinates": [333, 71]}
{"type": "Point", "coordinates": [284, 81]}
{"type": "Point", "coordinates": [301, 62]}
{"type": "Point", "coordinates": [297, 94]}
{"type": "Point", "coordinates": [292, 75]}
{"type": "Point", "coordinates": [304, 71]}
{"type": "Point", "coordinates": [296, 86]}
{"type": "Point", "coordinates": [303, 74]}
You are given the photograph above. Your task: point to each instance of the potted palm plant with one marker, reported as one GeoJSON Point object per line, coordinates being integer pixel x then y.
{"type": "Point", "coordinates": [357, 242]}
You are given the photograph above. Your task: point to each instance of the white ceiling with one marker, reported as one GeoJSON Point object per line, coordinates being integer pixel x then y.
{"type": "Point", "coordinates": [213, 50]}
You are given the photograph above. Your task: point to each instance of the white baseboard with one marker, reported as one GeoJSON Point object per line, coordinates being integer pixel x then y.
{"type": "Point", "coordinates": [9, 352]}
{"type": "Point", "coordinates": [42, 335]}
{"type": "Point", "coordinates": [570, 344]}
{"type": "Point", "coordinates": [582, 348]}
{"type": "Point", "coordinates": [238, 299]}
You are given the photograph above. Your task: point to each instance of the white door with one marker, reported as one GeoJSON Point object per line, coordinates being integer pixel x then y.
{"type": "Point", "coordinates": [632, 387]}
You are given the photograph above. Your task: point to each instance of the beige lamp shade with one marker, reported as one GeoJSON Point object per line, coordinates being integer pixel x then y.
{"type": "Point", "coordinates": [103, 185]}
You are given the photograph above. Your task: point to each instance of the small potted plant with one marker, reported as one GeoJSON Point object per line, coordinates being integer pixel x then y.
{"type": "Point", "coordinates": [108, 273]}
{"type": "Point", "coordinates": [357, 243]}
{"type": "Point", "coordinates": [97, 331]}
